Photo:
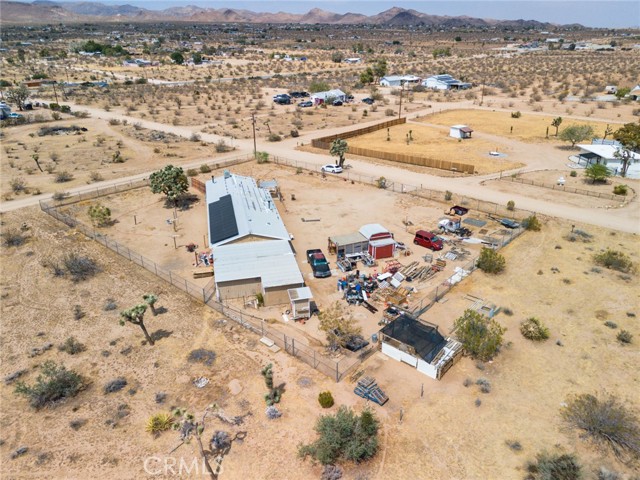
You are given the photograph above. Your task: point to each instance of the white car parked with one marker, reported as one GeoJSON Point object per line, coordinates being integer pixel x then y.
{"type": "Point", "coordinates": [332, 169]}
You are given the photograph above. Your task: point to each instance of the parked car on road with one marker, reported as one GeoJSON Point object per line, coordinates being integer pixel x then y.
{"type": "Point", "coordinates": [299, 94]}
{"type": "Point", "coordinates": [337, 103]}
{"type": "Point", "coordinates": [283, 101]}
{"type": "Point", "coordinates": [429, 240]}
{"type": "Point", "coordinates": [319, 263]}
{"type": "Point", "coordinates": [332, 169]}
{"type": "Point", "coordinates": [306, 103]}
{"type": "Point", "coordinates": [368, 100]}
{"type": "Point", "coordinates": [14, 115]}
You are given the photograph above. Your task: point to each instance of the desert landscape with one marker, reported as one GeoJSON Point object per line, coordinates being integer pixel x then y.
{"type": "Point", "coordinates": [120, 341]}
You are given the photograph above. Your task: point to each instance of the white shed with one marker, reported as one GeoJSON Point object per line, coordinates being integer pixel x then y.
{"type": "Point", "coordinates": [460, 131]}
{"type": "Point", "coordinates": [300, 299]}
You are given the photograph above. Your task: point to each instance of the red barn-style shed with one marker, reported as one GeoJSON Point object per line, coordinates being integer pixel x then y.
{"type": "Point", "coordinates": [381, 242]}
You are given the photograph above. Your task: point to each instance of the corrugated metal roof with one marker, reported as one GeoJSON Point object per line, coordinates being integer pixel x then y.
{"type": "Point", "coordinates": [371, 229]}
{"type": "Point", "coordinates": [253, 208]}
{"type": "Point", "coordinates": [302, 293]}
{"type": "Point", "coordinates": [271, 260]}
{"type": "Point", "coordinates": [382, 242]}
{"type": "Point", "coordinates": [606, 151]}
{"type": "Point", "coordinates": [348, 239]}
{"type": "Point", "coordinates": [336, 93]}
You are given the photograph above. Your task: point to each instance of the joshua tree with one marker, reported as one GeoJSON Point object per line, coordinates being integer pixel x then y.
{"type": "Point", "coordinates": [556, 123]}
{"type": "Point", "coordinates": [36, 159]}
{"type": "Point", "coordinates": [135, 315]}
{"type": "Point", "coordinates": [338, 149]}
{"type": "Point", "coordinates": [151, 299]}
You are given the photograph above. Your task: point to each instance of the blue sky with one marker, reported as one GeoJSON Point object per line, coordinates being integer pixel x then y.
{"type": "Point", "coordinates": [592, 13]}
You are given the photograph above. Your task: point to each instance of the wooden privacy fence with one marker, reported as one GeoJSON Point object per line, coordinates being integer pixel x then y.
{"type": "Point", "coordinates": [325, 144]}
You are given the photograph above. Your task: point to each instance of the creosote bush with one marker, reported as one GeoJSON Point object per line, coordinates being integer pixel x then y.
{"type": "Point", "coordinates": [532, 223]}
{"type": "Point", "coordinates": [343, 436]}
{"type": "Point", "coordinates": [607, 422]}
{"type": "Point", "coordinates": [550, 466]}
{"type": "Point", "coordinates": [72, 346]}
{"type": "Point", "coordinates": [490, 261]}
{"type": "Point", "coordinates": [79, 267]}
{"type": "Point", "coordinates": [533, 329]}
{"type": "Point", "coordinates": [13, 238]}
{"type": "Point", "coordinates": [325, 399]}
{"type": "Point", "coordinates": [614, 260]}
{"type": "Point", "coordinates": [54, 384]}
{"type": "Point", "coordinates": [624, 336]}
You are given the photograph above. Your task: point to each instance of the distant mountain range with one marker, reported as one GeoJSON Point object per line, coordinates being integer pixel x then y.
{"type": "Point", "coordinates": [47, 11]}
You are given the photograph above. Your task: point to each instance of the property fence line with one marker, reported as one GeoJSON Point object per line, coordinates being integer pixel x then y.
{"type": "Point", "coordinates": [336, 369]}
{"type": "Point", "coordinates": [325, 144]}
{"type": "Point", "coordinates": [562, 188]}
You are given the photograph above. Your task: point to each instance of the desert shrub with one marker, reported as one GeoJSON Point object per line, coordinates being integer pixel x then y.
{"type": "Point", "coordinates": [221, 146]}
{"type": "Point", "coordinates": [110, 304]}
{"type": "Point", "coordinates": [381, 182]}
{"type": "Point", "coordinates": [448, 195]}
{"type": "Point", "coordinates": [624, 336]}
{"type": "Point", "coordinates": [202, 355]}
{"type": "Point", "coordinates": [514, 445]}
{"type": "Point", "coordinates": [77, 424]}
{"type": "Point", "coordinates": [54, 384]}
{"type": "Point", "coordinates": [262, 157]}
{"type": "Point", "coordinates": [490, 261]}
{"type": "Point", "coordinates": [100, 215]}
{"type": "Point", "coordinates": [159, 422]}
{"type": "Point", "coordinates": [274, 137]}
{"type": "Point", "coordinates": [607, 422]}
{"type": "Point", "coordinates": [72, 346]}
{"type": "Point", "coordinates": [532, 223]}
{"type": "Point", "coordinates": [205, 168]}
{"type": "Point", "coordinates": [620, 190]}
{"type": "Point", "coordinates": [516, 114]}
{"type": "Point", "coordinates": [192, 172]}
{"type": "Point", "coordinates": [64, 176]}
{"type": "Point", "coordinates": [343, 436]}
{"type": "Point", "coordinates": [79, 267]}
{"type": "Point", "coordinates": [331, 472]}
{"type": "Point", "coordinates": [194, 137]}
{"type": "Point", "coordinates": [294, 133]}
{"type": "Point", "coordinates": [614, 259]}
{"type": "Point", "coordinates": [114, 121]}
{"type": "Point", "coordinates": [573, 173]}
{"type": "Point", "coordinates": [115, 385]}
{"type": "Point", "coordinates": [18, 184]}
{"type": "Point", "coordinates": [610, 324]}
{"type": "Point", "coordinates": [389, 112]}
{"type": "Point", "coordinates": [534, 329]}
{"type": "Point", "coordinates": [511, 205]}
{"type": "Point", "coordinates": [96, 177]}
{"type": "Point", "coordinates": [59, 196]}
{"type": "Point", "coordinates": [13, 238]}
{"type": "Point", "coordinates": [484, 384]}
{"type": "Point", "coordinates": [480, 336]}
{"type": "Point", "coordinates": [325, 399]}
{"type": "Point", "coordinates": [78, 313]}
{"type": "Point", "coordinates": [550, 466]}
{"type": "Point", "coordinates": [606, 474]}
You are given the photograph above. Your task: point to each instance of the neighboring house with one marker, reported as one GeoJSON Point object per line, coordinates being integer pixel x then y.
{"type": "Point", "coordinates": [444, 82]}
{"type": "Point", "coordinates": [606, 155]}
{"type": "Point", "coordinates": [634, 94]}
{"type": "Point", "coordinates": [399, 80]}
{"type": "Point", "coordinates": [353, 60]}
{"type": "Point", "coordinates": [250, 245]}
{"type": "Point", "coordinates": [420, 345]}
{"type": "Point", "coordinates": [611, 89]}
{"type": "Point", "coordinates": [138, 62]}
{"type": "Point", "coordinates": [460, 131]}
{"type": "Point", "coordinates": [329, 96]}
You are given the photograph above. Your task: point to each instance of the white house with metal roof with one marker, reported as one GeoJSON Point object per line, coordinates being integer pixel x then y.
{"type": "Point", "coordinates": [399, 80]}
{"type": "Point", "coordinates": [240, 211]}
{"type": "Point", "coordinates": [607, 154]}
{"type": "Point", "coordinates": [444, 82]}
{"type": "Point", "coordinates": [250, 245]}
{"type": "Point", "coordinates": [328, 96]}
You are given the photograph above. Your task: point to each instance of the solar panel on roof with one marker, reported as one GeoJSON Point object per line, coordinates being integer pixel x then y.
{"type": "Point", "coordinates": [222, 220]}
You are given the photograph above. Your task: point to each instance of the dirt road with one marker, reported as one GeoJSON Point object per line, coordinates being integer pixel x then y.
{"type": "Point", "coordinates": [626, 218]}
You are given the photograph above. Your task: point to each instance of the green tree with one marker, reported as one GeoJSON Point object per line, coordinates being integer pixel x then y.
{"type": "Point", "coordinates": [338, 325]}
{"type": "Point", "coordinates": [480, 336]}
{"type": "Point", "coordinates": [490, 261]}
{"type": "Point", "coordinates": [380, 68]}
{"type": "Point", "coordinates": [576, 133]}
{"type": "Point", "coordinates": [171, 181]}
{"type": "Point", "coordinates": [622, 92]}
{"type": "Point", "coordinates": [177, 57]}
{"type": "Point", "coordinates": [100, 215]}
{"type": "Point", "coordinates": [338, 149]}
{"type": "Point", "coordinates": [151, 299]}
{"type": "Point", "coordinates": [367, 76]}
{"type": "Point", "coordinates": [556, 123]}
{"type": "Point", "coordinates": [197, 58]}
{"type": "Point", "coordinates": [597, 172]}
{"type": "Point", "coordinates": [135, 316]}
{"type": "Point", "coordinates": [629, 137]}
{"type": "Point", "coordinates": [18, 96]}
{"type": "Point", "coordinates": [343, 436]}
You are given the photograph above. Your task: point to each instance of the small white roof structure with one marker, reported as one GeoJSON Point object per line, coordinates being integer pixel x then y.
{"type": "Point", "coordinates": [301, 293]}
{"type": "Point", "coordinates": [383, 242]}
{"type": "Point", "coordinates": [237, 208]}
{"type": "Point", "coordinates": [335, 93]}
{"type": "Point", "coordinates": [464, 128]}
{"type": "Point", "coordinates": [272, 262]}
{"type": "Point", "coordinates": [348, 239]}
{"type": "Point", "coordinates": [372, 229]}
{"type": "Point", "coordinates": [606, 151]}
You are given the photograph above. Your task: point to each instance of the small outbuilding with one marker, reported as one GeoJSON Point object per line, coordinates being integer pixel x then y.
{"type": "Point", "coordinates": [349, 244]}
{"type": "Point", "coordinates": [399, 80]}
{"type": "Point", "coordinates": [444, 82]}
{"type": "Point", "coordinates": [460, 131]}
{"type": "Point", "coordinates": [300, 299]}
{"type": "Point", "coordinates": [381, 241]}
{"type": "Point", "coordinates": [420, 344]}
{"type": "Point", "coordinates": [329, 96]}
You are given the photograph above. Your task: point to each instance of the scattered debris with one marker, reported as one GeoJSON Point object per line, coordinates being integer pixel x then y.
{"type": "Point", "coordinates": [19, 452]}
{"type": "Point", "coordinates": [201, 382]}
{"type": "Point", "coordinates": [39, 351]}
{"type": "Point", "coordinates": [273, 412]}
{"type": "Point", "coordinates": [115, 385]}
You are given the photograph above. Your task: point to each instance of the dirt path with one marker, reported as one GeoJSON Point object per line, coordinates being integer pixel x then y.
{"type": "Point", "coordinates": [625, 219]}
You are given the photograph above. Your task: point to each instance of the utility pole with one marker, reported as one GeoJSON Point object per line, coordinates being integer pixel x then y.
{"type": "Point", "coordinates": [253, 123]}
{"type": "Point", "coordinates": [400, 109]}
{"type": "Point", "coordinates": [482, 93]}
